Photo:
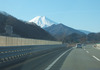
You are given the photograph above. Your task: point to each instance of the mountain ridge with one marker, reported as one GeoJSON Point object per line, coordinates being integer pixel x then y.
{"type": "Point", "coordinates": [85, 31]}
{"type": "Point", "coordinates": [61, 30]}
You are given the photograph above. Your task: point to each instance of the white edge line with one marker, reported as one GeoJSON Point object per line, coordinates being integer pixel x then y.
{"type": "Point", "coordinates": [56, 60]}
{"type": "Point", "coordinates": [96, 58]}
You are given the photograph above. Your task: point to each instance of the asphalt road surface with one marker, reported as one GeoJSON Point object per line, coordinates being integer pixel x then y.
{"type": "Point", "coordinates": [87, 58]}
{"type": "Point", "coordinates": [46, 61]}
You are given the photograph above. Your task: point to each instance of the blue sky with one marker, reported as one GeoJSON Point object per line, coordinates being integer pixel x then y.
{"type": "Point", "coordinates": [78, 14]}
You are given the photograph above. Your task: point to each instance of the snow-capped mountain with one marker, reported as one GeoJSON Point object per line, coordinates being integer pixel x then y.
{"type": "Point", "coordinates": [43, 21]}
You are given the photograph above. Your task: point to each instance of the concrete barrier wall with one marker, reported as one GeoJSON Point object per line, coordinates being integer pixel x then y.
{"type": "Point", "coordinates": [14, 41]}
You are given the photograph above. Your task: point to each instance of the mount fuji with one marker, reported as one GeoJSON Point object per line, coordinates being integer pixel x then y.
{"type": "Point", "coordinates": [42, 21]}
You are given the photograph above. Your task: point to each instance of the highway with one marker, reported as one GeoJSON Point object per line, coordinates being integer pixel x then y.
{"type": "Point", "coordinates": [42, 61]}
{"type": "Point", "coordinates": [87, 58]}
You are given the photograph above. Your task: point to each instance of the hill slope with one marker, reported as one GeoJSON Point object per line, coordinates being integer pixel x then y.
{"type": "Point", "coordinates": [61, 31]}
{"type": "Point", "coordinates": [9, 26]}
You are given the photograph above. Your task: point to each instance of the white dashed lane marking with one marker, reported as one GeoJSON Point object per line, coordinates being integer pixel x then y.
{"type": "Point", "coordinates": [84, 49]}
{"type": "Point", "coordinates": [96, 58]}
{"type": "Point", "coordinates": [87, 51]}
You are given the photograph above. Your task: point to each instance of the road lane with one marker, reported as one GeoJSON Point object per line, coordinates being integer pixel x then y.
{"type": "Point", "coordinates": [80, 59]}
{"type": "Point", "coordinates": [93, 51]}
{"type": "Point", "coordinates": [39, 63]}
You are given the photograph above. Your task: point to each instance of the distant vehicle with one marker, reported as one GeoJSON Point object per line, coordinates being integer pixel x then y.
{"type": "Point", "coordinates": [79, 45]}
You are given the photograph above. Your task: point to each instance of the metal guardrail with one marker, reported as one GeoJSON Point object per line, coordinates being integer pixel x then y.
{"type": "Point", "coordinates": [11, 54]}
